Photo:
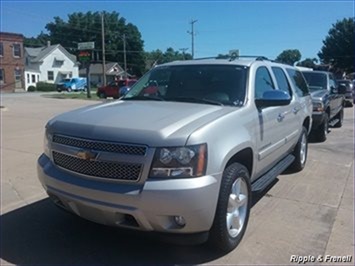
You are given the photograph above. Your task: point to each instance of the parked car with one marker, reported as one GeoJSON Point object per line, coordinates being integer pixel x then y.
{"type": "Point", "coordinates": [115, 89]}
{"type": "Point", "coordinates": [181, 158]}
{"type": "Point", "coordinates": [349, 95]}
{"type": "Point", "coordinates": [328, 102]}
{"type": "Point", "coordinates": [72, 84]}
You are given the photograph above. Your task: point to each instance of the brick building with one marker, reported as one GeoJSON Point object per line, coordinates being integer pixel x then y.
{"type": "Point", "coordinates": [11, 61]}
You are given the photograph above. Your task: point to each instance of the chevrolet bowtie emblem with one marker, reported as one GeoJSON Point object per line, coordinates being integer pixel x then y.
{"type": "Point", "coordinates": [86, 155]}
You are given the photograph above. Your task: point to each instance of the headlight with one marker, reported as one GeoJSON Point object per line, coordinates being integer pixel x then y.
{"type": "Point", "coordinates": [318, 107]}
{"type": "Point", "coordinates": [46, 141]}
{"type": "Point", "coordinates": [187, 161]}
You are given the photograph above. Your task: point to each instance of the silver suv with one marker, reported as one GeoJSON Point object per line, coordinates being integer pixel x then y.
{"type": "Point", "coordinates": [183, 151]}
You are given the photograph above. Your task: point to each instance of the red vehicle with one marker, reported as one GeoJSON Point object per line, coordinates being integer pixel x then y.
{"type": "Point", "coordinates": [113, 89]}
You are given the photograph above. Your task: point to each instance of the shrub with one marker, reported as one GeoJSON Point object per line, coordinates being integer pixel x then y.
{"type": "Point", "coordinates": [43, 86]}
{"type": "Point", "coordinates": [31, 88]}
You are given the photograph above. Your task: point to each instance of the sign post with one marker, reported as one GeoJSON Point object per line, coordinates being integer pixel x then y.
{"type": "Point", "coordinates": [84, 56]}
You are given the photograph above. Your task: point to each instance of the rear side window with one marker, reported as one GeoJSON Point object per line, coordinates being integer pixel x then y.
{"type": "Point", "coordinates": [263, 82]}
{"type": "Point", "coordinates": [281, 80]}
{"type": "Point", "coordinates": [299, 82]}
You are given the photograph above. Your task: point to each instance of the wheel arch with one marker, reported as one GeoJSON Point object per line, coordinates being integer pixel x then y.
{"type": "Point", "coordinates": [244, 157]}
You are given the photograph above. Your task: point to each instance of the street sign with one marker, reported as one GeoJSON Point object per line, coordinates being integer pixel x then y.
{"type": "Point", "coordinates": [86, 45]}
{"type": "Point", "coordinates": [84, 56]}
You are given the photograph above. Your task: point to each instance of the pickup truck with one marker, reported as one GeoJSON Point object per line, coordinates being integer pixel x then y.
{"type": "Point", "coordinates": [72, 84]}
{"type": "Point", "coordinates": [328, 102]}
{"type": "Point", "coordinates": [182, 157]}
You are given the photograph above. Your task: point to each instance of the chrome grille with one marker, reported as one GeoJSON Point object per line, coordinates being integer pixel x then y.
{"type": "Point", "coordinates": [110, 170]}
{"type": "Point", "coordinates": [101, 145]}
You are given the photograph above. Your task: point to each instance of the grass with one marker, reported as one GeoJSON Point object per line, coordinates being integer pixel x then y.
{"type": "Point", "coordinates": [72, 95]}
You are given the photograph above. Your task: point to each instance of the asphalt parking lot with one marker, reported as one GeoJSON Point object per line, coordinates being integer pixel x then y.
{"type": "Point", "coordinates": [310, 213]}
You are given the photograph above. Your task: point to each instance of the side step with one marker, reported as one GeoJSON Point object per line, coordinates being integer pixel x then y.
{"type": "Point", "coordinates": [262, 182]}
{"type": "Point", "coordinates": [333, 122]}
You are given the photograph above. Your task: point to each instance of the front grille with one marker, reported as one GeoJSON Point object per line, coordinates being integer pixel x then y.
{"type": "Point", "coordinates": [110, 170]}
{"type": "Point", "coordinates": [101, 145]}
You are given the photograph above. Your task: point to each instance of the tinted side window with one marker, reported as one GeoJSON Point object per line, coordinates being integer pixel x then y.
{"type": "Point", "coordinates": [281, 80]}
{"type": "Point", "coordinates": [263, 82]}
{"type": "Point", "coordinates": [299, 82]}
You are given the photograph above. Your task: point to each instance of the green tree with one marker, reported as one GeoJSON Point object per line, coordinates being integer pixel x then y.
{"type": "Point", "coordinates": [338, 46]}
{"type": "Point", "coordinates": [86, 27]}
{"type": "Point", "coordinates": [308, 62]}
{"type": "Point", "coordinates": [40, 40]}
{"type": "Point", "coordinates": [158, 57]}
{"type": "Point", "coordinates": [289, 57]}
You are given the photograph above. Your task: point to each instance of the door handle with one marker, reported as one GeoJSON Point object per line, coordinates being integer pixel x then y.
{"type": "Point", "coordinates": [280, 117]}
{"type": "Point", "coordinates": [296, 109]}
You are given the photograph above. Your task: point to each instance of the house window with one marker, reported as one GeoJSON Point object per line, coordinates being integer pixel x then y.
{"type": "Point", "coordinates": [1, 49]}
{"type": "Point", "coordinates": [17, 50]}
{"type": "Point", "coordinates": [70, 74]}
{"type": "Point", "coordinates": [28, 78]}
{"type": "Point", "coordinates": [37, 77]}
{"type": "Point", "coordinates": [50, 75]}
{"type": "Point", "coordinates": [2, 76]}
{"type": "Point", "coordinates": [33, 78]}
{"type": "Point", "coordinates": [17, 74]}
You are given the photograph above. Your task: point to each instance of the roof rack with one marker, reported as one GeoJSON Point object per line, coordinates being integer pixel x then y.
{"type": "Point", "coordinates": [256, 57]}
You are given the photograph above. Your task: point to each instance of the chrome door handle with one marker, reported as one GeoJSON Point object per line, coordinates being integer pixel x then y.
{"type": "Point", "coordinates": [296, 110]}
{"type": "Point", "coordinates": [280, 117]}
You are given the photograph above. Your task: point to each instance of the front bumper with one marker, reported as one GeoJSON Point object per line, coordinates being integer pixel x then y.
{"type": "Point", "coordinates": [149, 207]}
{"type": "Point", "coordinates": [317, 119]}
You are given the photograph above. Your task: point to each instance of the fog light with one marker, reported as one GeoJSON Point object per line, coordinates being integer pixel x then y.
{"type": "Point", "coordinates": [180, 221]}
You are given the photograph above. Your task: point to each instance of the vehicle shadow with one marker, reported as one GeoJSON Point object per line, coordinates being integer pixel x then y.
{"type": "Point", "coordinates": [41, 234]}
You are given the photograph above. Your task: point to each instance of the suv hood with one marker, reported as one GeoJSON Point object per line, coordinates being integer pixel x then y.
{"type": "Point", "coordinates": [319, 95]}
{"type": "Point", "coordinates": [141, 122]}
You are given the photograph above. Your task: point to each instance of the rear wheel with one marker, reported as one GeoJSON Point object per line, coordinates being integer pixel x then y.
{"type": "Point", "coordinates": [102, 95]}
{"type": "Point", "coordinates": [233, 208]}
{"type": "Point", "coordinates": [300, 152]}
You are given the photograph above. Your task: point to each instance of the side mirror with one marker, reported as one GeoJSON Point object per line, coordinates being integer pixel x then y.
{"type": "Point", "coordinates": [341, 89]}
{"type": "Point", "coordinates": [273, 98]}
{"type": "Point", "coordinates": [334, 90]}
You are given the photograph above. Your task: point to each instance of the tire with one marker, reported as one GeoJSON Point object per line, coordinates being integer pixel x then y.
{"type": "Point", "coordinates": [340, 116]}
{"type": "Point", "coordinates": [233, 208]}
{"type": "Point", "coordinates": [300, 152]}
{"type": "Point", "coordinates": [322, 131]}
{"type": "Point", "coordinates": [102, 95]}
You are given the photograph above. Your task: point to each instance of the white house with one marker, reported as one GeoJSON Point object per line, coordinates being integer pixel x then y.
{"type": "Point", "coordinates": [49, 64]}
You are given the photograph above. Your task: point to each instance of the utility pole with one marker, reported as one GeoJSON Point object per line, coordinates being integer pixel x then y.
{"type": "Point", "coordinates": [192, 22]}
{"type": "Point", "coordinates": [103, 49]}
{"type": "Point", "coordinates": [124, 55]}
{"type": "Point", "coordinates": [183, 51]}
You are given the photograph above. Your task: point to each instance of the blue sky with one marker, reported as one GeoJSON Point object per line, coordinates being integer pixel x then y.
{"type": "Point", "coordinates": [254, 27]}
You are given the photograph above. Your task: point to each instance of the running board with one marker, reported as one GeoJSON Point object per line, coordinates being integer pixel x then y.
{"type": "Point", "coordinates": [333, 122]}
{"type": "Point", "coordinates": [262, 182]}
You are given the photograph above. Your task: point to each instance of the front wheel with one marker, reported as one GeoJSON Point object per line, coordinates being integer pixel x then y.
{"type": "Point", "coordinates": [340, 117]}
{"type": "Point", "coordinates": [233, 208]}
{"type": "Point", "coordinates": [300, 152]}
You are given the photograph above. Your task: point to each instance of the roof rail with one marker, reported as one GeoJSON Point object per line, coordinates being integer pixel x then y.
{"type": "Point", "coordinates": [256, 57]}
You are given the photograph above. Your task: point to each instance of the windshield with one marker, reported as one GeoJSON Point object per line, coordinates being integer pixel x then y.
{"type": "Point", "coordinates": [316, 80]}
{"type": "Point", "coordinates": [204, 84]}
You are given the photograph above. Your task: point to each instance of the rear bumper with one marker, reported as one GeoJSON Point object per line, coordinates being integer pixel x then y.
{"type": "Point", "coordinates": [149, 207]}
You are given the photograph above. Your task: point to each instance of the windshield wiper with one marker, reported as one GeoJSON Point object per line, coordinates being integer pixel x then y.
{"type": "Point", "coordinates": [144, 98]}
{"type": "Point", "coordinates": [195, 100]}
